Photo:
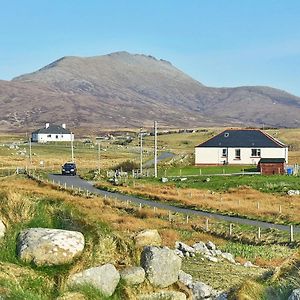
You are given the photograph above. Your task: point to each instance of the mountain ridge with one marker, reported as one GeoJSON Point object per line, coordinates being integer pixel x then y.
{"type": "Point", "coordinates": [131, 90]}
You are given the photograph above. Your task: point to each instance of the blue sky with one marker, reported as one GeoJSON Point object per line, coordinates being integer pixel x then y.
{"type": "Point", "coordinates": [218, 42]}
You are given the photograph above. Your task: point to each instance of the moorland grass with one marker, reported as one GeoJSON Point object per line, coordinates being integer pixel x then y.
{"type": "Point", "coordinates": [239, 199]}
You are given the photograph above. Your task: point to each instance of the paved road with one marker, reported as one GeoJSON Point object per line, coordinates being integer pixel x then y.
{"type": "Point", "coordinates": [161, 157]}
{"type": "Point", "coordinates": [77, 182]}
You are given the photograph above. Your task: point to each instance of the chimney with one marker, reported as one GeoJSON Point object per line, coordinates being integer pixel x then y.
{"type": "Point", "coordinates": [47, 125]}
{"type": "Point", "coordinates": [63, 125]}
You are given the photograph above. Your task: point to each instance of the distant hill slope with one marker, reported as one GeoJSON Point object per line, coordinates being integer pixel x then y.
{"type": "Point", "coordinates": [126, 90]}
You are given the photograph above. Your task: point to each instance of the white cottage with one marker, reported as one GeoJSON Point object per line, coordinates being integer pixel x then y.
{"type": "Point", "coordinates": [239, 147]}
{"type": "Point", "coordinates": [52, 133]}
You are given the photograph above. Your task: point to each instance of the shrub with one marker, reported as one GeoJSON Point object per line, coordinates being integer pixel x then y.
{"type": "Point", "coordinates": [127, 166]}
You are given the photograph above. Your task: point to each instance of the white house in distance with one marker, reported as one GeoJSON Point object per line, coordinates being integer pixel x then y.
{"type": "Point", "coordinates": [52, 133]}
{"type": "Point", "coordinates": [239, 147]}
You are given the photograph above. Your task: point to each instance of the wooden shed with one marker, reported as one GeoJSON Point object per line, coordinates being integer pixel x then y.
{"type": "Point", "coordinates": [271, 166]}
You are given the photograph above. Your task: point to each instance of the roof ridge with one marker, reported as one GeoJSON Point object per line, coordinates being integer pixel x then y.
{"type": "Point", "coordinates": [273, 139]}
{"type": "Point", "coordinates": [242, 138]}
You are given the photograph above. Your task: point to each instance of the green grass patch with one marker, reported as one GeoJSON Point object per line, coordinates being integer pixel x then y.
{"type": "Point", "coordinates": [268, 184]}
{"type": "Point", "coordinates": [205, 170]}
{"type": "Point", "coordinates": [251, 252]}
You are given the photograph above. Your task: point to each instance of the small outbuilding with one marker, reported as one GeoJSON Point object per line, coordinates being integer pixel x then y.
{"type": "Point", "coordinates": [271, 166]}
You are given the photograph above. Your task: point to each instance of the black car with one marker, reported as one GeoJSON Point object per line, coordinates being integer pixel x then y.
{"type": "Point", "coordinates": [69, 168]}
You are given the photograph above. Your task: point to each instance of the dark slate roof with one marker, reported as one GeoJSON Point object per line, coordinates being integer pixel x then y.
{"type": "Point", "coordinates": [243, 138]}
{"type": "Point", "coordinates": [271, 160]}
{"type": "Point", "coordinates": [53, 129]}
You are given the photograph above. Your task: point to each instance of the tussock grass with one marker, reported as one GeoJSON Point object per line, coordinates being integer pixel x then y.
{"type": "Point", "coordinates": [250, 290]}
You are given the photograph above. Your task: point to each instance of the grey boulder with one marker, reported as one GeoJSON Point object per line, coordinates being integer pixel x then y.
{"type": "Point", "coordinates": [184, 247]}
{"type": "Point", "coordinates": [161, 265]}
{"type": "Point", "coordinates": [210, 245]}
{"type": "Point", "coordinates": [200, 247]}
{"type": "Point", "coordinates": [104, 278]}
{"type": "Point", "coordinates": [200, 290]}
{"type": "Point", "coordinates": [163, 295]}
{"type": "Point", "coordinates": [185, 278]}
{"type": "Point", "coordinates": [44, 246]}
{"type": "Point", "coordinates": [133, 275]}
{"type": "Point", "coordinates": [228, 256]}
{"type": "Point", "coordinates": [295, 295]}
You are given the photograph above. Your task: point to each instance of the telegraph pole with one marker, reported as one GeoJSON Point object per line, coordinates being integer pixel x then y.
{"type": "Point", "coordinates": [141, 153]}
{"type": "Point", "coordinates": [99, 158]}
{"type": "Point", "coordinates": [72, 150]}
{"type": "Point", "coordinates": [30, 156]}
{"type": "Point", "coordinates": [155, 149]}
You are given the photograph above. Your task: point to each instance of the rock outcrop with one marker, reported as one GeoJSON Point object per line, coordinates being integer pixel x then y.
{"type": "Point", "coordinates": [295, 295]}
{"type": "Point", "coordinates": [163, 295]}
{"type": "Point", "coordinates": [161, 265]}
{"type": "Point", "coordinates": [44, 246]}
{"type": "Point", "coordinates": [104, 278]}
{"type": "Point", "coordinates": [133, 275]}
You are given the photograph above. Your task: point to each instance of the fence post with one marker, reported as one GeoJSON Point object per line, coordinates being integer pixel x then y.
{"type": "Point", "coordinates": [200, 172]}
{"type": "Point", "coordinates": [280, 209]}
{"type": "Point", "coordinates": [140, 207]}
{"type": "Point", "coordinates": [165, 172]}
{"type": "Point", "coordinates": [259, 233]}
{"type": "Point", "coordinates": [291, 233]}
{"type": "Point", "coordinates": [65, 185]}
{"type": "Point", "coordinates": [187, 219]}
{"type": "Point", "coordinates": [180, 172]}
{"type": "Point", "coordinates": [206, 224]}
{"type": "Point", "coordinates": [257, 205]}
{"type": "Point", "coordinates": [230, 229]}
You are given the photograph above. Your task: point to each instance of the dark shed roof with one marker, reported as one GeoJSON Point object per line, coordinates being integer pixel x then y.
{"type": "Point", "coordinates": [243, 138]}
{"type": "Point", "coordinates": [271, 160]}
{"type": "Point", "coordinates": [53, 129]}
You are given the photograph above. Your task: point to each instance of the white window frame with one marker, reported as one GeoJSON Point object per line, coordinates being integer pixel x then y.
{"type": "Point", "coordinates": [255, 152]}
{"type": "Point", "coordinates": [224, 152]}
{"type": "Point", "coordinates": [235, 154]}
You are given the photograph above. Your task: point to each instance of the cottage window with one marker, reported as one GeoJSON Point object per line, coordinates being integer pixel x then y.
{"type": "Point", "coordinates": [237, 153]}
{"type": "Point", "coordinates": [224, 152]}
{"type": "Point", "coordinates": [255, 152]}
{"type": "Point", "coordinates": [49, 135]}
{"type": "Point", "coordinates": [57, 136]}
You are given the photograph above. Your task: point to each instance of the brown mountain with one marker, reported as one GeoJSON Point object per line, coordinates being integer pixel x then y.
{"type": "Point", "coordinates": [126, 90]}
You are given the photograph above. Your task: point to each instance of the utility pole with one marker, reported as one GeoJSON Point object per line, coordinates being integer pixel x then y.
{"type": "Point", "coordinates": [155, 149]}
{"type": "Point", "coordinates": [72, 150]}
{"type": "Point", "coordinates": [30, 156]}
{"type": "Point", "coordinates": [99, 158]}
{"type": "Point", "coordinates": [141, 154]}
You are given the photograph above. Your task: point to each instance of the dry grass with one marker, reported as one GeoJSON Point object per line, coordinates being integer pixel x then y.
{"type": "Point", "coordinates": [242, 201]}
{"type": "Point", "coordinates": [123, 218]}
{"type": "Point", "coordinates": [250, 290]}
{"type": "Point", "coordinates": [16, 208]}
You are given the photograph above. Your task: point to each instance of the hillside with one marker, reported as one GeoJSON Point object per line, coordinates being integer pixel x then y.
{"type": "Point", "coordinates": [127, 90]}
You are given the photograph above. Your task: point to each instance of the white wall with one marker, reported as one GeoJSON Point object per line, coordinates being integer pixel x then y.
{"type": "Point", "coordinates": [44, 137]}
{"type": "Point", "coordinates": [208, 155]}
